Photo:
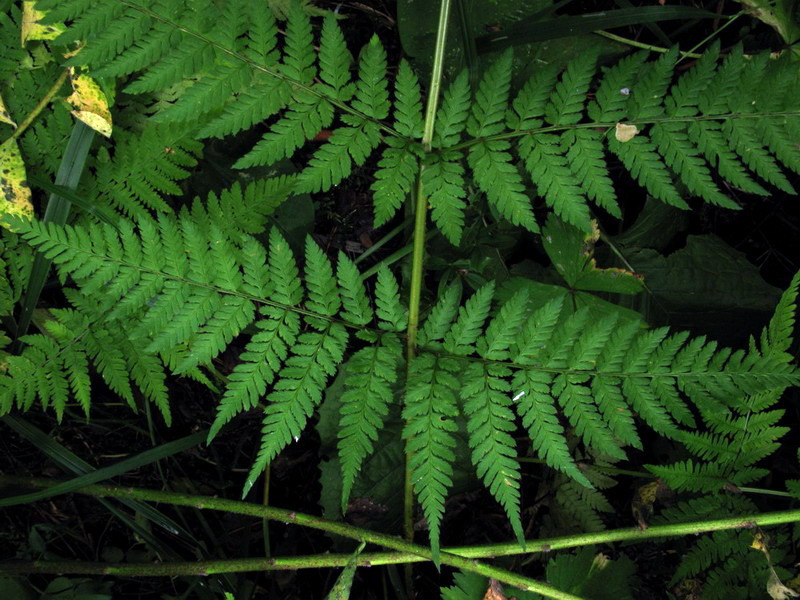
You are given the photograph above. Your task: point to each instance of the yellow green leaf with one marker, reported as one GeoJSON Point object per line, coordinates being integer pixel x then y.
{"type": "Point", "coordinates": [625, 132]}
{"type": "Point", "coordinates": [5, 116]}
{"type": "Point", "coordinates": [15, 195]}
{"type": "Point", "coordinates": [90, 103]}
{"type": "Point", "coordinates": [32, 30]}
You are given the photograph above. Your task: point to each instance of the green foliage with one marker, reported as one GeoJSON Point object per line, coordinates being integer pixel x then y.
{"type": "Point", "coordinates": [168, 288]}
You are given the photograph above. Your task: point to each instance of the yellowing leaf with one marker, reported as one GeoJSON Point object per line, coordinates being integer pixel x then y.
{"type": "Point", "coordinates": [495, 591]}
{"type": "Point", "coordinates": [15, 195]}
{"type": "Point", "coordinates": [90, 103]}
{"type": "Point", "coordinates": [776, 589]}
{"type": "Point", "coordinates": [32, 30]}
{"type": "Point", "coordinates": [5, 116]}
{"type": "Point", "coordinates": [760, 542]}
{"type": "Point", "coordinates": [625, 132]}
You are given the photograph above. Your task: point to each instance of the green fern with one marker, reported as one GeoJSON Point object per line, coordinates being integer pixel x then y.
{"type": "Point", "coordinates": [232, 61]}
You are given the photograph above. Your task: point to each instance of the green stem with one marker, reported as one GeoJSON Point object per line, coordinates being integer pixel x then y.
{"type": "Point", "coordinates": [461, 557]}
{"type": "Point", "coordinates": [633, 43]}
{"type": "Point", "coordinates": [288, 516]}
{"type": "Point", "coordinates": [40, 106]}
{"type": "Point", "coordinates": [418, 255]}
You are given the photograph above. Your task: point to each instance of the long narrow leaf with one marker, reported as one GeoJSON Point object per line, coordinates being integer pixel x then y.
{"type": "Point", "coordinates": [525, 31]}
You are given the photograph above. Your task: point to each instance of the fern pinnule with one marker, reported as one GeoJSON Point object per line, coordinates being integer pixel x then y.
{"type": "Point", "coordinates": [323, 295]}
{"type": "Point", "coordinates": [443, 182]}
{"type": "Point", "coordinates": [569, 95]}
{"type": "Point", "coordinates": [355, 301]}
{"type": "Point", "coordinates": [451, 118]}
{"type": "Point", "coordinates": [463, 334]}
{"type": "Point", "coordinates": [392, 315]}
{"type": "Point", "coordinates": [299, 62]}
{"type": "Point", "coordinates": [440, 317]}
{"type": "Point", "coordinates": [334, 61]}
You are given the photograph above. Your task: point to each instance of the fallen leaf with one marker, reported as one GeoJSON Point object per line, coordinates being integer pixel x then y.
{"type": "Point", "coordinates": [495, 591]}
{"type": "Point", "coordinates": [625, 132]}
{"type": "Point", "coordinates": [776, 589]}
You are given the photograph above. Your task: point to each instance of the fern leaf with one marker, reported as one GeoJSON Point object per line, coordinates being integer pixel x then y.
{"type": "Point", "coordinates": [451, 117]}
{"type": "Point", "coordinates": [465, 331]}
{"type": "Point", "coordinates": [486, 405]}
{"type": "Point", "coordinates": [408, 102]}
{"type": "Point", "coordinates": [297, 392]}
{"type": "Point", "coordinates": [263, 355]}
{"type": "Point", "coordinates": [397, 171]}
{"type": "Point", "coordinates": [778, 334]}
{"type": "Point", "coordinates": [673, 144]}
{"type": "Point", "coordinates": [569, 95]}
{"type": "Point", "coordinates": [209, 94]}
{"type": "Point", "coordinates": [529, 104]}
{"type": "Point", "coordinates": [537, 409]}
{"type": "Point", "coordinates": [443, 182]}
{"type": "Point", "coordinates": [335, 61]}
{"type": "Point", "coordinates": [298, 59]}
{"type": "Point", "coordinates": [647, 94]}
{"type": "Point", "coordinates": [262, 99]}
{"type": "Point", "coordinates": [333, 162]}
{"type": "Point", "coordinates": [365, 404]}
{"type": "Point", "coordinates": [308, 116]}
{"type": "Point", "coordinates": [553, 178]}
{"type": "Point", "coordinates": [743, 138]}
{"type": "Point", "coordinates": [429, 411]}
{"type": "Point", "coordinates": [391, 314]}
{"type": "Point", "coordinates": [372, 95]}
{"type": "Point", "coordinates": [709, 139]}
{"type": "Point", "coordinates": [355, 302]}
{"type": "Point", "coordinates": [640, 158]}
{"type": "Point", "coordinates": [491, 99]}
{"type": "Point", "coordinates": [500, 180]}
{"type": "Point", "coordinates": [585, 157]}
{"type": "Point", "coordinates": [613, 94]}
{"type": "Point", "coordinates": [323, 295]}
{"type": "Point", "coordinates": [438, 322]}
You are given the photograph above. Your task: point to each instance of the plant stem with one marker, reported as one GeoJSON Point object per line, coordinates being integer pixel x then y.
{"type": "Point", "coordinates": [40, 106]}
{"type": "Point", "coordinates": [461, 557]}
{"type": "Point", "coordinates": [287, 516]}
{"type": "Point", "coordinates": [418, 256]}
{"type": "Point", "coordinates": [642, 45]}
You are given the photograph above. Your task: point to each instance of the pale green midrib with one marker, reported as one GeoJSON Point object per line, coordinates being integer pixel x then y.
{"type": "Point", "coordinates": [608, 125]}
{"type": "Point", "coordinates": [275, 73]}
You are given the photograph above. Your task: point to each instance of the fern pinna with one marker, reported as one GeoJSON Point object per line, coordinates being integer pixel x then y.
{"type": "Point", "coordinates": [175, 290]}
